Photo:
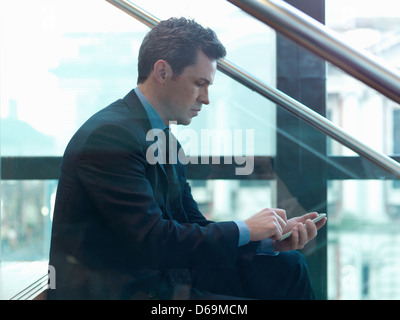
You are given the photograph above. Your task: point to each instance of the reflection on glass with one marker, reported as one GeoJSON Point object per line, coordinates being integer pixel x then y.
{"type": "Point", "coordinates": [221, 200]}
{"type": "Point", "coordinates": [363, 240]}
{"type": "Point", "coordinates": [61, 70]}
{"type": "Point", "coordinates": [75, 68]}
{"type": "Point", "coordinates": [27, 208]}
{"type": "Point", "coordinates": [26, 212]}
{"type": "Point", "coordinates": [362, 112]}
{"type": "Point", "coordinates": [223, 128]}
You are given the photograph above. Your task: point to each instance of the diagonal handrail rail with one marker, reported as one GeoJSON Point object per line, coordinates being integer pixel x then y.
{"type": "Point", "coordinates": [285, 101]}
{"type": "Point", "coordinates": [323, 42]}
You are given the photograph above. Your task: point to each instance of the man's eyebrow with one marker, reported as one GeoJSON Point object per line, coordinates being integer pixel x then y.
{"type": "Point", "coordinates": [206, 80]}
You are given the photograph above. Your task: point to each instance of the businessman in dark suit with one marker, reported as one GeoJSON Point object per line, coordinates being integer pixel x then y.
{"type": "Point", "coordinates": [125, 223]}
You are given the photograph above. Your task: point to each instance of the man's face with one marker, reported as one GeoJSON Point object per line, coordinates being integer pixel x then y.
{"type": "Point", "coordinates": [186, 93]}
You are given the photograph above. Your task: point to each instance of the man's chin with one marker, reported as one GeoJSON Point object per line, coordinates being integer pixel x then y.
{"type": "Point", "coordinates": [185, 122]}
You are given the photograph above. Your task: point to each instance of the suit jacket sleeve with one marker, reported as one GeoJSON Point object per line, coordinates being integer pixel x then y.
{"type": "Point", "coordinates": [112, 168]}
{"type": "Point", "coordinates": [190, 206]}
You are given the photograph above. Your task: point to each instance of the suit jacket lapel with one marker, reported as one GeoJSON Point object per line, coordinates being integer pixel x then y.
{"type": "Point", "coordinates": [139, 113]}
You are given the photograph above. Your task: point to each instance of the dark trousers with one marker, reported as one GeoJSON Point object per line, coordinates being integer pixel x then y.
{"type": "Point", "coordinates": [285, 276]}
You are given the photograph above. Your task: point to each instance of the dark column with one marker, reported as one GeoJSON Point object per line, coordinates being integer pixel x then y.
{"type": "Point", "coordinates": [302, 182]}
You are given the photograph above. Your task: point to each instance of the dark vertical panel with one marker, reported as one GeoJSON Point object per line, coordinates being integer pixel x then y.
{"type": "Point", "coordinates": [302, 182]}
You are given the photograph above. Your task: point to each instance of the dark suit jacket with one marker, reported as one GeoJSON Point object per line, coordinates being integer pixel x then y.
{"type": "Point", "coordinates": [113, 235]}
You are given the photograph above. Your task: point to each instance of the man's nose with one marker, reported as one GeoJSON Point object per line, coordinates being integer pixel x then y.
{"type": "Point", "coordinates": [204, 98]}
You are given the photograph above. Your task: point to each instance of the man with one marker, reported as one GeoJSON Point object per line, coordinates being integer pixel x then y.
{"type": "Point", "coordinates": [125, 227]}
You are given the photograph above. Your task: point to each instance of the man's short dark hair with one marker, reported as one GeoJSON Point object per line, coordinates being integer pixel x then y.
{"type": "Point", "coordinates": [177, 41]}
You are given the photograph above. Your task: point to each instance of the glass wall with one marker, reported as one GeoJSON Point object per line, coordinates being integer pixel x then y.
{"type": "Point", "coordinates": [363, 234]}
{"type": "Point", "coordinates": [61, 61]}
{"type": "Point", "coordinates": [58, 66]}
{"type": "Point", "coordinates": [371, 27]}
{"type": "Point", "coordinates": [363, 240]}
{"type": "Point", "coordinates": [26, 212]}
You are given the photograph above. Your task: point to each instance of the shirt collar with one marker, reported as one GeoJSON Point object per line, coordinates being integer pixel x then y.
{"type": "Point", "coordinates": [155, 119]}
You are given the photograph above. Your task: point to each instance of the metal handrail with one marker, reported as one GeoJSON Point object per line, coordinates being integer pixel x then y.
{"type": "Point", "coordinates": [322, 41]}
{"type": "Point", "coordinates": [273, 94]}
{"type": "Point", "coordinates": [136, 12]}
{"type": "Point", "coordinates": [311, 117]}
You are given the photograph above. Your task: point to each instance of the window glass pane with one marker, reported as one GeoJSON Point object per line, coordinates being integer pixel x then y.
{"type": "Point", "coordinates": [225, 200]}
{"type": "Point", "coordinates": [363, 214]}
{"type": "Point", "coordinates": [26, 212]}
{"type": "Point", "coordinates": [363, 240]}
{"type": "Point", "coordinates": [251, 46]}
{"type": "Point", "coordinates": [63, 68]}
{"type": "Point", "coordinates": [369, 26]}
{"type": "Point", "coordinates": [250, 43]}
{"type": "Point", "coordinates": [232, 125]}
{"type": "Point", "coordinates": [27, 208]}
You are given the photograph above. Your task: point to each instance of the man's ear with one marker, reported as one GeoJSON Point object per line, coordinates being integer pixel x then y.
{"type": "Point", "coordinates": [161, 71]}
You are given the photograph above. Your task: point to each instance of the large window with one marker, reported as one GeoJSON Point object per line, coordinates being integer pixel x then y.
{"type": "Point", "coordinates": [371, 27]}
{"type": "Point", "coordinates": [363, 240]}
{"type": "Point", "coordinates": [363, 256]}
{"type": "Point", "coordinates": [26, 207]}
{"type": "Point", "coordinates": [61, 61]}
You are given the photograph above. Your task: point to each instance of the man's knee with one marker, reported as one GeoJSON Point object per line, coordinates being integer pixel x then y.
{"type": "Point", "coordinates": [294, 261]}
{"type": "Point", "coordinates": [299, 275]}
{"type": "Point", "coordinates": [284, 276]}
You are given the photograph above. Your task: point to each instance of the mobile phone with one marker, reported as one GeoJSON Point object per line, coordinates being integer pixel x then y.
{"type": "Point", "coordinates": [320, 216]}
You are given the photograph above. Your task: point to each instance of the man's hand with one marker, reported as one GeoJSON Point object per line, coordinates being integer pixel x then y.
{"type": "Point", "coordinates": [268, 223]}
{"type": "Point", "coordinates": [300, 234]}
